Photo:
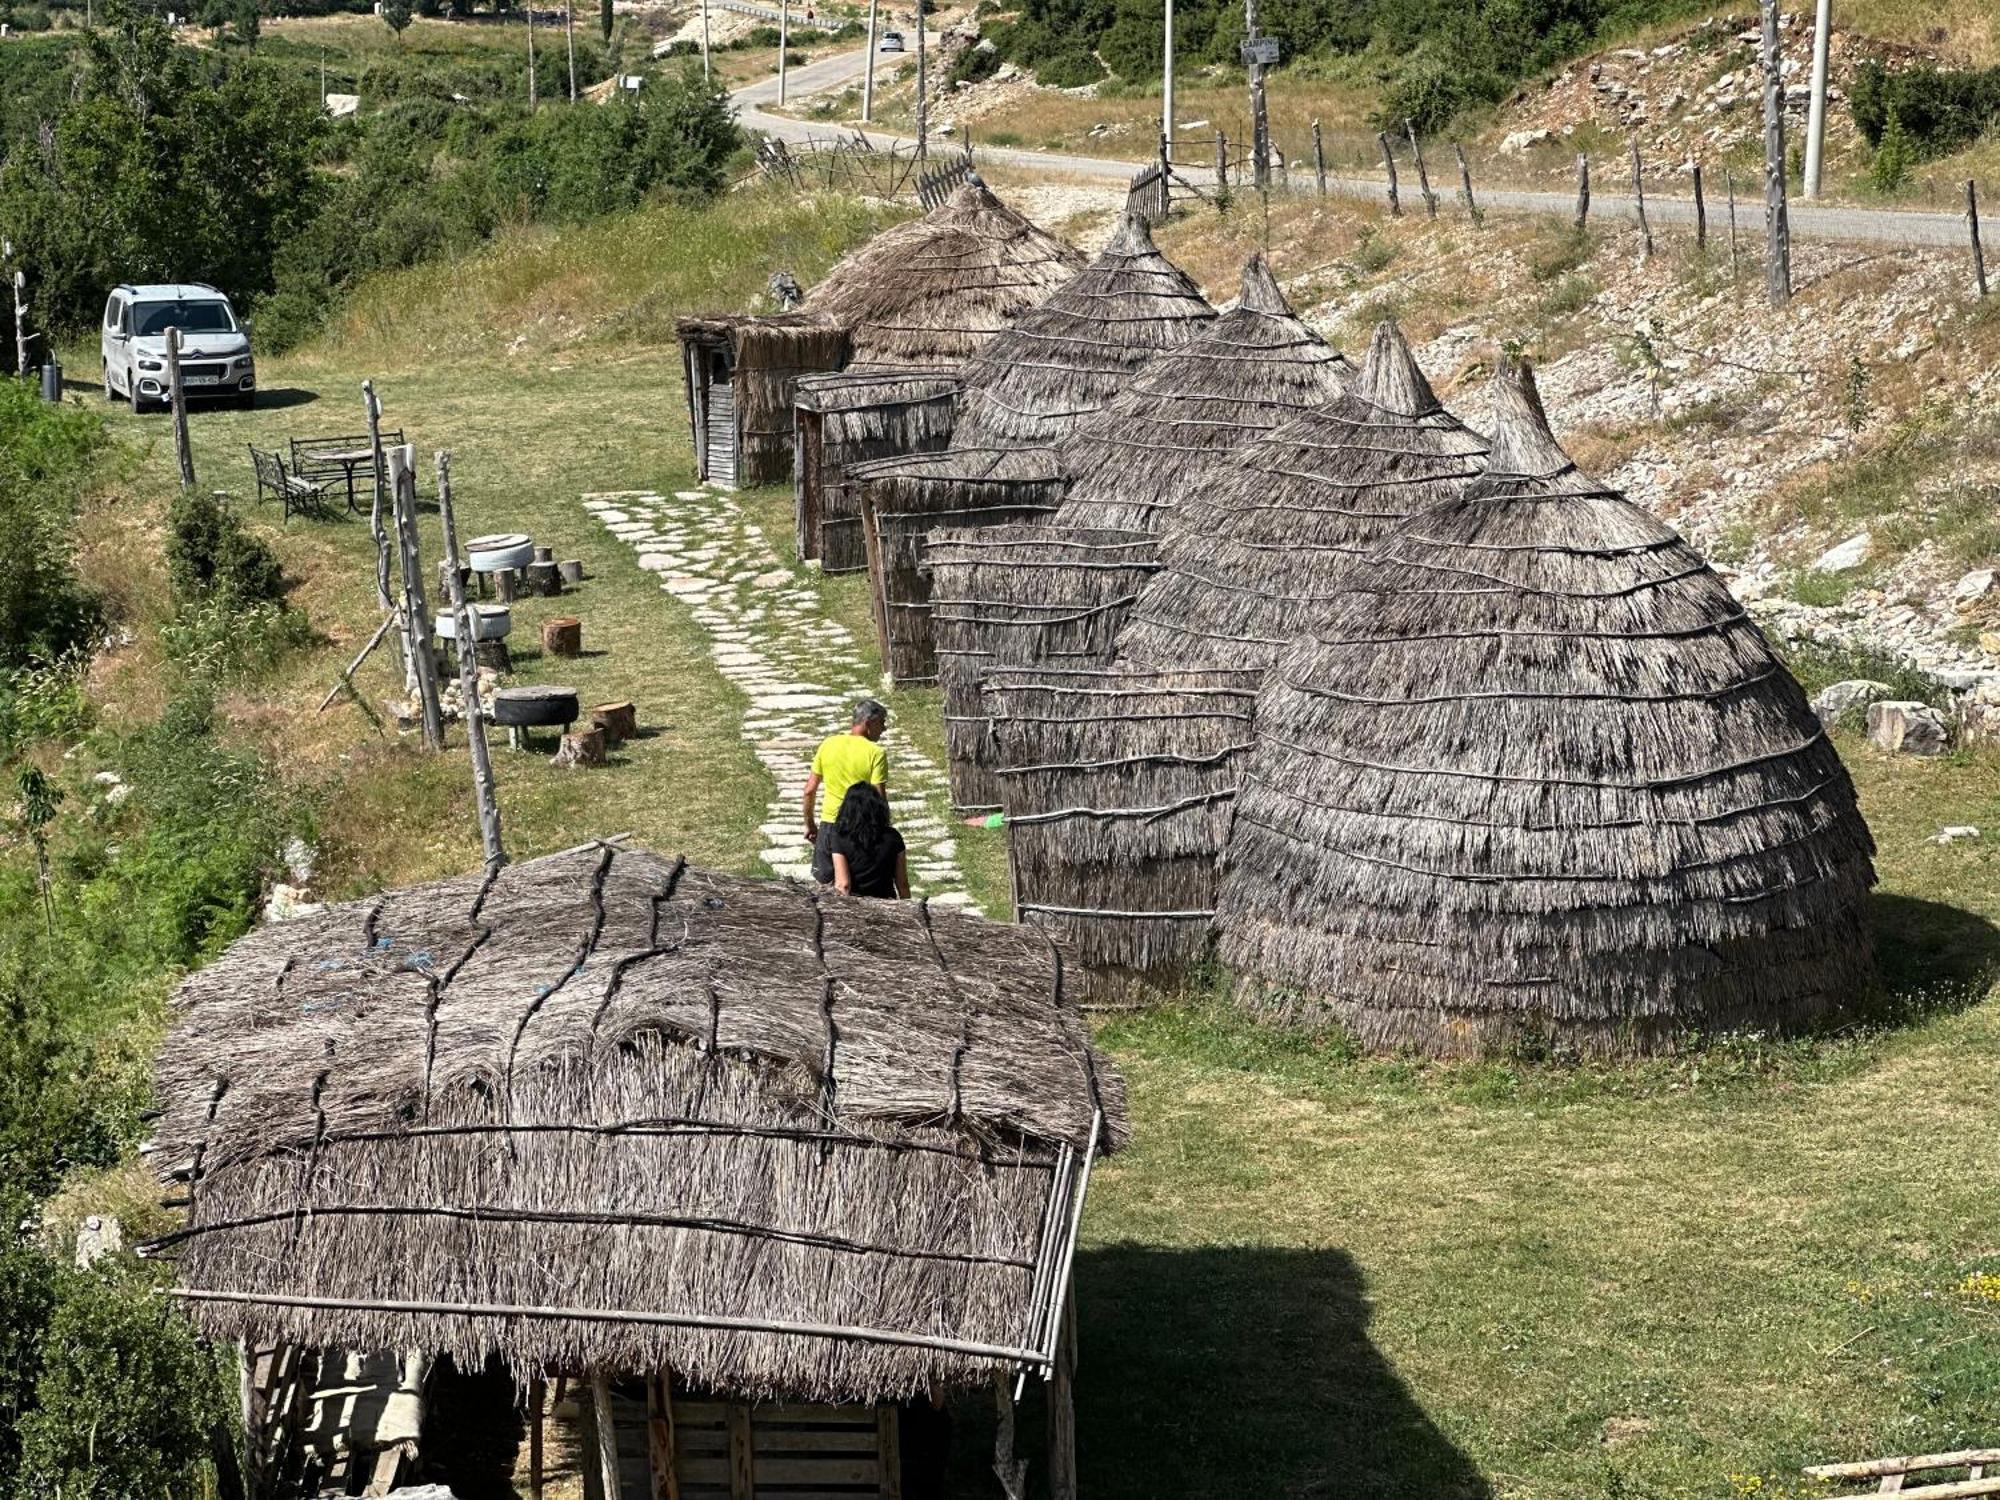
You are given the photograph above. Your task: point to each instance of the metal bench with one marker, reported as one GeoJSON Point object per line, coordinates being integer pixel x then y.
{"type": "Point", "coordinates": [341, 457]}
{"type": "Point", "coordinates": [294, 492]}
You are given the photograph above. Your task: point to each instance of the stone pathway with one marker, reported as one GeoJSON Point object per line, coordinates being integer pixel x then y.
{"type": "Point", "coordinates": [800, 671]}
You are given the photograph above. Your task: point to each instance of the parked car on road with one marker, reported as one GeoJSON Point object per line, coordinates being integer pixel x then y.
{"type": "Point", "coordinates": [215, 358]}
{"type": "Point", "coordinates": [892, 41]}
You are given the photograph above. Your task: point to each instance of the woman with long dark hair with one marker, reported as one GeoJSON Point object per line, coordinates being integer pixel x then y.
{"type": "Point", "coordinates": [868, 854]}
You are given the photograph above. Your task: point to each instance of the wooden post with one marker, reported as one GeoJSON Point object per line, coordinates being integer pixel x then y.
{"type": "Point", "coordinates": [1221, 162]}
{"type": "Point", "coordinates": [1729, 187]}
{"type": "Point", "coordinates": [660, 1444]}
{"type": "Point", "coordinates": [1260, 121]}
{"type": "Point", "coordinates": [466, 631]}
{"type": "Point", "coordinates": [1423, 172]}
{"type": "Point", "coordinates": [704, 43]}
{"type": "Point", "coordinates": [1777, 224]}
{"type": "Point", "coordinates": [1700, 208]}
{"type": "Point", "coordinates": [1972, 220]}
{"type": "Point", "coordinates": [537, 1398]}
{"type": "Point", "coordinates": [1062, 1408]}
{"type": "Point", "coordinates": [605, 1430]}
{"type": "Point", "coordinates": [1465, 187]}
{"type": "Point", "coordinates": [378, 529]}
{"type": "Point", "coordinates": [1582, 191]}
{"type": "Point", "coordinates": [1008, 1468]}
{"type": "Point", "coordinates": [1639, 202]}
{"type": "Point", "coordinates": [742, 1460]}
{"type": "Point", "coordinates": [403, 492]}
{"type": "Point", "coordinates": [1319, 161]}
{"type": "Point", "coordinates": [1166, 178]}
{"type": "Point", "coordinates": [867, 71]}
{"type": "Point", "coordinates": [1389, 165]}
{"type": "Point", "coordinates": [20, 282]}
{"type": "Point", "coordinates": [923, 87]}
{"type": "Point", "coordinates": [177, 394]}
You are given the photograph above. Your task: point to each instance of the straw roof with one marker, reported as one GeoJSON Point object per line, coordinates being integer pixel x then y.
{"type": "Point", "coordinates": [1069, 355]}
{"type": "Point", "coordinates": [605, 1112]}
{"type": "Point", "coordinates": [1155, 444]}
{"type": "Point", "coordinates": [1252, 559]}
{"type": "Point", "coordinates": [1539, 780]}
{"type": "Point", "coordinates": [853, 417]}
{"type": "Point", "coordinates": [933, 290]}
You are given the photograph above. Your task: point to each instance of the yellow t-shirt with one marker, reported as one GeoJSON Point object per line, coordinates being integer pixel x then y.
{"type": "Point", "coordinates": [842, 760]}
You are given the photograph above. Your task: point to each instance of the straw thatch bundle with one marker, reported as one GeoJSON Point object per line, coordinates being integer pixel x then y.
{"type": "Point", "coordinates": [1117, 787]}
{"type": "Point", "coordinates": [851, 418]}
{"type": "Point", "coordinates": [1539, 780]}
{"type": "Point", "coordinates": [748, 440]}
{"type": "Point", "coordinates": [1070, 354]}
{"type": "Point", "coordinates": [931, 291]}
{"type": "Point", "coordinates": [1055, 595]}
{"type": "Point", "coordinates": [904, 499]}
{"type": "Point", "coordinates": [603, 1112]}
{"type": "Point", "coordinates": [1157, 442]}
{"type": "Point", "coordinates": [1253, 558]}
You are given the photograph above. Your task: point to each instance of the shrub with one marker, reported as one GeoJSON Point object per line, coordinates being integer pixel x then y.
{"type": "Point", "coordinates": [210, 554]}
{"type": "Point", "coordinates": [975, 64]}
{"type": "Point", "coordinates": [46, 457]}
{"type": "Point", "coordinates": [1936, 110]}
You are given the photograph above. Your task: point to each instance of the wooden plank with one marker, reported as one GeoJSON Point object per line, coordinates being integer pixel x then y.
{"type": "Point", "coordinates": [827, 1472]}
{"type": "Point", "coordinates": [1062, 1407]}
{"type": "Point", "coordinates": [742, 1461]}
{"type": "Point", "coordinates": [1963, 1489]}
{"type": "Point", "coordinates": [604, 1426]}
{"type": "Point", "coordinates": [537, 1399]}
{"type": "Point", "coordinates": [889, 1450]}
{"type": "Point", "coordinates": [1874, 1467]}
{"type": "Point", "coordinates": [817, 1439]}
{"type": "Point", "coordinates": [661, 1449]}
{"type": "Point", "coordinates": [704, 1470]}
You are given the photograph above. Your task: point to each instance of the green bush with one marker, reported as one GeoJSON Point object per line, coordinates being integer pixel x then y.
{"type": "Point", "coordinates": [1930, 111]}
{"type": "Point", "coordinates": [975, 65]}
{"type": "Point", "coordinates": [210, 554]}
{"type": "Point", "coordinates": [47, 453]}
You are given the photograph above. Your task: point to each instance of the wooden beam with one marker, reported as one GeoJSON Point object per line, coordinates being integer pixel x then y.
{"type": "Point", "coordinates": [538, 1394]}
{"type": "Point", "coordinates": [742, 1459]}
{"type": "Point", "coordinates": [605, 1429]}
{"type": "Point", "coordinates": [889, 1451]}
{"type": "Point", "coordinates": [1062, 1408]}
{"type": "Point", "coordinates": [661, 1448]}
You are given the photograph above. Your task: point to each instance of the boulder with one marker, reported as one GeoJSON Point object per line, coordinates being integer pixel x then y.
{"type": "Point", "coordinates": [1972, 588]}
{"type": "Point", "coordinates": [1848, 701]}
{"type": "Point", "coordinates": [1520, 141]}
{"type": "Point", "coordinates": [1847, 555]}
{"type": "Point", "coordinates": [1903, 726]}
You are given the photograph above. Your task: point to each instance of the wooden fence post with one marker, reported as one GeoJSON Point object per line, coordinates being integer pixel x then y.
{"type": "Point", "coordinates": [1978, 250]}
{"type": "Point", "coordinates": [1700, 208]}
{"type": "Point", "coordinates": [1582, 191]}
{"type": "Point", "coordinates": [1777, 223]}
{"type": "Point", "coordinates": [1729, 187]}
{"type": "Point", "coordinates": [1423, 172]}
{"type": "Point", "coordinates": [1639, 202]}
{"type": "Point", "coordinates": [1221, 162]}
{"type": "Point", "coordinates": [1465, 187]}
{"type": "Point", "coordinates": [177, 395]}
{"type": "Point", "coordinates": [465, 632]}
{"type": "Point", "coordinates": [403, 492]}
{"type": "Point", "coordinates": [1319, 160]}
{"type": "Point", "coordinates": [1389, 162]}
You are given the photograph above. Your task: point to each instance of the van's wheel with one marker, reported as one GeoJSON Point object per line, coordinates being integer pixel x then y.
{"type": "Point", "coordinates": [138, 406]}
{"type": "Point", "coordinates": [109, 394]}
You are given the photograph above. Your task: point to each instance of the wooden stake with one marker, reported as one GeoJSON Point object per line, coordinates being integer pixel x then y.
{"type": "Point", "coordinates": [605, 1430]}
{"type": "Point", "coordinates": [1062, 1409]}
{"type": "Point", "coordinates": [1319, 160]}
{"type": "Point", "coordinates": [465, 631]}
{"type": "Point", "coordinates": [1639, 202]}
{"type": "Point", "coordinates": [1972, 221]}
{"type": "Point", "coordinates": [1777, 223]}
{"type": "Point", "coordinates": [403, 491]}
{"type": "Point", "coordinates": [1260, 119]}
{"type": "Point", "coordinates": [1700, 208]}
{"type": "Point", "coordinates": [1582, 191]}
{"type": "Point", "coordinates": [1010, 1470]}
{"type": "Point", "coordinates": [1465, 186]}
{"type": "Point", "coordinates": [1389, 166]}
{"type": "Point", "coordinates": [378, 529]}
{"type": "Point", "coordinates": [177, 393]}
{"type": "Point", "coordinates": [537, 1398]}
{"type": "Point", "coordinates": [1729, 187]}
{"type": "Point", "coordinates": [347, 676]}
{"type": "Point", "coordinates": [1221, 162]}
{"type": "Point", "coordinates": [660, 1443]}
{"type": "Point", "coordinates": [1423, 172]}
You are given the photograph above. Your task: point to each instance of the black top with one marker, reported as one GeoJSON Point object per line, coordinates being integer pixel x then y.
{"type": "Point", "coordinates": [875, 877]}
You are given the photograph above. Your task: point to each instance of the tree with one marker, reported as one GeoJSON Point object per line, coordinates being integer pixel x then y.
{"type": "Point", "coordinates": [397, 14]}
{"type": "Point", "coordinates": [604, 18]}
{"type": "Point", "coordinates": [245, 21]}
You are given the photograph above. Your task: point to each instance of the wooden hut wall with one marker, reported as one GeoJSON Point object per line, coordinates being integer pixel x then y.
{"type": "Point", "coordinates": [1117, 787]}
{"type": "Point", "coordinates": [903, 500]}
{"type": "Point", "coordinates": [1019, 595]}
{"type": "Point", "coordinates": [855, 417]}
{"type": "Point", "coordinates": [770, 359]}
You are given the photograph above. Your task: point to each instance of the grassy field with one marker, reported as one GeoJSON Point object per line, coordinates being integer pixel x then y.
{"type": "Point", "coordinates": [1313, 1275]}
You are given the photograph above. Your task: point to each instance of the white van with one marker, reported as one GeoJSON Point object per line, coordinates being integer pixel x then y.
{"type": "Point", "coordinates": [215, 350]}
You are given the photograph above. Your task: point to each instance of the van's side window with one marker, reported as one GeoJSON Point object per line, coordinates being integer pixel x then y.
{"type": "Point", "coordinates": [111, 311]}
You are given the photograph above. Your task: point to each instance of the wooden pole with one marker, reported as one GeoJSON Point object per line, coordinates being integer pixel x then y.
{"type": "Point", "coordinates": [1221, 162]}
{"type": "Point", "coordinates": [1582, 191]}
{"type": "Point", "coordinates": [1972, 220]}
{"type": "Point", "coordinates": [1319, 161]}
{"type": "Point", "coordinates": [403, 493]}
{"type": "Point", "coordinates": [704, 43]}
{"type": "Point", "coordinates": [1167, 79]}
{"type": "Point", "coordinates": [784, 43]}
{"type": "Point", "coordinates": [661, 1445]}
{"type": "Point", "coordinates": [569, 38]}
{"type": "Point", "coordinates": [465, 632]}
{"type": "Point", "coordinates": [1729, 187]}
{"type": "Point", "coordinates": [1062, 1409]}
{"type": "Point", "coordinates": [177, 393]}
{"type": "Point", "coordinates": [379, 530]}
{"type": "Point", "coordinates": [20, 283]}
{"type": "Point", "coordinates": [1777, 224]}
{"type": "Point", "coordinates": [605, 1431]}
{"type": "Point", "coordinates": [537, 1399]}
{"type": "Point", "coordinates": [868, 69]}
{"type": "Point", "coordinates": [533, 102]}
{"type": "Point", "coordinates": [1008, 1467]}
{"type": "Point", "coordinates": [1700, 208]}
{"type": "Point", "coordinates": [1389, 165]}
{"type": "Point", "coordinates": [923, 90]}
{"type": "Point", "coordinates": [1639, 202]}
{"type": "Point", "coordinates": [1465, 186]}
{"type": "Point", "coordinates": [1816, 108]}
{"type": "Point", "coordinates": [1423, 172]}
{"type": "Point", "coordinates": [1260, 120]}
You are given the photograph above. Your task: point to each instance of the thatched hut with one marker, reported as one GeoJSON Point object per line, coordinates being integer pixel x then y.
{"type": "Point", "coordinates": [1047, 595]}
{"type": "Point", "coordinates": [904, 499]}
{"type": "Point", "coordinates": [853, 418]}
{"type": "Point", "coordinates": [748, 1162]}
{"type": "Point", "coordinates": [1255, 555]}
{"type": "Point", "coordinates": [1157, 442]}
{"type": "Point", "coordinates": [1117, 785]}
{"type": "Point", "coordinates": [741, 373]}
{"type": "Point", "coordinates": [1071, 353]}
{"type": "Point", "coordinates": [1539, 780]}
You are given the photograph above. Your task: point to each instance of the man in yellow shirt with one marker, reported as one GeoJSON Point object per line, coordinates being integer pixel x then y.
{"type": "Point", "coordinates": [840, 762]}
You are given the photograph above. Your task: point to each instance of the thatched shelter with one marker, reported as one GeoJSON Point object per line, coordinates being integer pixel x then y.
{"type": "Point", "coordinates": [1157, 443]}
{"type": "Point", "coordinates": [1117, 785]}
{"type": "Point", "coordinates": [746, 1158]}
{"type": "Point", "coordinates": [741, 373]}
{"type": "Point", "coordinates": [1255, 555]}
{"type": "Point", "coordinates": [1049, 595]}
{"type": "Point", "coordinates": [929, 293]}
{"type": "Point", "coordinates": [1071, 353]}
{"type": "Point", "coordinates": [852, 418]}
{"type": "Point", "coordinates": [904, 499]}
{"type": "Point", "coordinates": [1538, 780]}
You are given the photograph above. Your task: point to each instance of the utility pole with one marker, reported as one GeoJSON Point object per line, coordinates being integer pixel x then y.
{"type": "Point", "coordinates": [465, 632]}
{"type": "Point", "coordinates": [1777, 223]}
{"type": "Point", "coordinates": [1816, 110]}
{"type": "Point", "coordinates": [569, 36]}
{"type": "Point", "coordinates": [1167, 83]}
{"type": "Point", "coordinates": [923, 92]}
{"type": "Point", "coordinates": [1260, 124]}
{"type": "Point", "coordinates": [704, 41]}
{"type": "Point", "coordinates": [532, 101]}
{"type": "Point", "coordinates": [868, 72]}
{"type": "Point", "coordinates": [784, 43]}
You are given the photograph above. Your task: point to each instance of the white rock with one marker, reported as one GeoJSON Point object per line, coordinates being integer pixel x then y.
{"type": "Point", "coordinates": [1848, 555]}
{"type": "Point", "coordinates": [1905, 727]}
{"type": "Point", "coordinates": [1955, 832]}
{"type": "Point", "coordinates": [1525, 140]}
{"type": "Point", "coordinates": [1972, 588]}
{"type": "Point", "coordinates": [1842, 701]}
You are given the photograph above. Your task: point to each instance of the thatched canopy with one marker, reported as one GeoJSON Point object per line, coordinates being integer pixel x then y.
{"type": "Point", "coordinates": [1070, 354]}
{"type": "Point", "coordinates": [749, 431]}
{"type": "Point", "coordinates": [1538, 779]}
{"type": "Point", "coordinates": [850, 418]}
{"type": "Point", "coordinates": [1117, 787]}
{"type": "Point", "coordinates": [1155, 444]}
{"type": "Point", "coordinates": [1054, 595]}
{"type": "Point", "coordinates": [933, 290]}
{"type": "Point", "coordinates": [1253, 558]}
{"type": "Point", "coordinates": [604, 1112]}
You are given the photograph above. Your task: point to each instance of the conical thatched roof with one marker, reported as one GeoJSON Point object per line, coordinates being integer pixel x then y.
{"type": "Point", "coordinates": [1539, 780]}
{"type": "Point", "coordinates": [605, 1112]}
{"type": "Point", "coordinates": [1154, 446]}
{"type": "Point", "coordinates": [933, 290]}
{"type": "Point", "coordinates": [1068, 356]}
{"type": "Point", "coordinates": [1251, 561]}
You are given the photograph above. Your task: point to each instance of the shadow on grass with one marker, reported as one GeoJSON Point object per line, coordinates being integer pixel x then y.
{"type": "Point", "coordinates": [284, 396]}
{"type": "Point", "coordinates": [1245, 1371]}
{"type": "Point", "coordinates": [1933, 958]}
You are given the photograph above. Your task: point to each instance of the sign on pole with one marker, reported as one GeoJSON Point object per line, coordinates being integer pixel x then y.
{"type": "Point", "coordinates": [1262, 50]}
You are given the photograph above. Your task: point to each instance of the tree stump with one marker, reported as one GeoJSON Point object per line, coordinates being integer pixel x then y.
{"type": "Point", "coordinates": [619, 721]}
{"type": "Point", "coordinates": [545, 554]}
{"type": "Point", "coordinates": [562, 636]}
{"type": "Point", "coordinates": [503, 585]}
{"type": "Point", "coordinates": [571, 571]}
{"type": "Point", "coordinates": [493, 654]}
{"type": "Point", "coordinates": [580, 747]}
{"type": "Point", "coordinates": [544, 579]}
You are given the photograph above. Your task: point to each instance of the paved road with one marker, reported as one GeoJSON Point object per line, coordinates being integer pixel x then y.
{"type": "Point", "coordinates": [1868, 225]}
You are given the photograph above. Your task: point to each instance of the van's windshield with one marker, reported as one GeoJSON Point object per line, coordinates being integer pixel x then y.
{"type": "Point", "coordinates": [152, 319]}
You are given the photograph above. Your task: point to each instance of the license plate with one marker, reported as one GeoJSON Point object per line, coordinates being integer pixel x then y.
{"type": "Point", "coordinates": [201, 380]}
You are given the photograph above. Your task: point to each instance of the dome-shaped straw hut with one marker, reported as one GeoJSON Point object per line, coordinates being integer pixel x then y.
{"type": "Point", "coordinates": [1252, 370]}
{"type": "Point", "coordinates": [1252, 558]}
{"type": "Point", "coordinates": [1069, 355]}
{"type": "Point", "coordinates": [760, 1168]}
{"type": "Point", "coordinates": [1539, 780]}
